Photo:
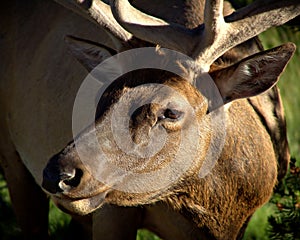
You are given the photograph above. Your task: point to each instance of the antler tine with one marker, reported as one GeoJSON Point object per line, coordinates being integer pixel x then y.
{"type": "Point", "coordinates": [213, 15]}
{"type": "Point", "coordinates": [211, 35]}
{"type": "Point", "coordinates": [99, 12]}
{"type": "Point", "coordinates": [152, 29]}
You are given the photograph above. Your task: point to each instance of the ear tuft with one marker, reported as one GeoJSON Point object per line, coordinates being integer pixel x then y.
{"type": "Point", "coordinates": [88, 53]}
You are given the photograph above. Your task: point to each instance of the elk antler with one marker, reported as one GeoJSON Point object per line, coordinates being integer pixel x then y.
{"type": "Point", "coordinates": [150, 28]}
{"type": "Point", "coordinates": [204, 43]}
{"type": "Point", "coordinates": [215, 36]}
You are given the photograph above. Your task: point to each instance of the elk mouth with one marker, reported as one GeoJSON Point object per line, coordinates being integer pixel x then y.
{"type": "Point", "coordinates": [79, 205]}
{"type": "Point", "coordinates": [70, 185]}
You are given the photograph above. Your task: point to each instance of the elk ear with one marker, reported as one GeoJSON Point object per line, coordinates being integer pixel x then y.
{"type": "Point", "coordinates": [88, 53]}
{"type": "Point", "coordinates": [253, 75]}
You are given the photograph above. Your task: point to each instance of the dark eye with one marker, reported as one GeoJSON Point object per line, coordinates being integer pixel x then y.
{"type": "Point", "coordinates": [171, 114]}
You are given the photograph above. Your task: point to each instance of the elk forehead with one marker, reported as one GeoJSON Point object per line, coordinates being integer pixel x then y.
{"type": "Point", "coordinates": [170, 88]}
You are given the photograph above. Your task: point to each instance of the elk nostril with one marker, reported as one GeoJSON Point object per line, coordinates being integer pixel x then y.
{"type": "Point", "coordinates": [55, 182]}
{"type": "Point", "coordinates": [70, 180]}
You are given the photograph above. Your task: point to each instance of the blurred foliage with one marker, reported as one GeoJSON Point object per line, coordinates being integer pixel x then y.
{"type": "Point", "coordinates": [9, 229]}
{"type": "Point", "coordinates": [144, 234]}
{"type": "Point", "coordinates": [284, 224]}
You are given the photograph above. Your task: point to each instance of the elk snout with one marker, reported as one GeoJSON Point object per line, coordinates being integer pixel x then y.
{"type": "Point", "coordinates": [59, 179]}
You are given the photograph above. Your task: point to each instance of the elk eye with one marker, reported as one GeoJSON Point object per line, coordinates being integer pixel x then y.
{"type": "Point", "coordinates": [171, 114]}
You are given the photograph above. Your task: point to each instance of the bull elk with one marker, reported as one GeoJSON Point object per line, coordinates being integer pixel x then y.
{"type": "Point", "coordinates": [197, 204]}
{"type": "Point", "coordinates": [244, 175]}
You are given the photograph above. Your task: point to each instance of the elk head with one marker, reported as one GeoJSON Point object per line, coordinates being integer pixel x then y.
{"type": "Point", "coordinates": [134, 153]}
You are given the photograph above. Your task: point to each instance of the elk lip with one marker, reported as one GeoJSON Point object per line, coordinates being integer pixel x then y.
{"type": "Point", "coordinates": [67, 197]}
{"type": "Point", "coordinates": [79, 206]}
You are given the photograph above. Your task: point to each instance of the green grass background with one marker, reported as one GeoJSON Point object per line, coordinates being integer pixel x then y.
{"type": "Point", "coordinates": [290, 89]}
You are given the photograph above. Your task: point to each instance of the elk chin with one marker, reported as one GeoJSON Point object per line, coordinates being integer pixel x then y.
{"type": "Point", "coordinates": [79, 206]}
